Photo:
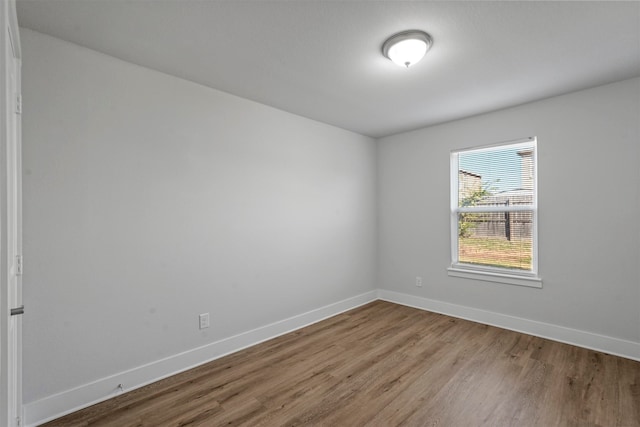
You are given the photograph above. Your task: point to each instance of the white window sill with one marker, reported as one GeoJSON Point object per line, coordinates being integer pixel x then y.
{"type": "Point", "coordinates": [491, 276]}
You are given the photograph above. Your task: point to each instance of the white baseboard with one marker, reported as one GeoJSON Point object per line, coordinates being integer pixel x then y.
{"type": "Point", "coordinates": [605, 344]}
{"type": "Point", "coordinates": [55, 406]}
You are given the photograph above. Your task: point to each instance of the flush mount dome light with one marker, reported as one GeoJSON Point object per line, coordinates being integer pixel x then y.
{"type": "Point", "coordinates": [407, 48]}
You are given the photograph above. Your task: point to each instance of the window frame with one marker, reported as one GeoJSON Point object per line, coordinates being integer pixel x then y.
{"type": "Point", "coordinates": [487, 273]}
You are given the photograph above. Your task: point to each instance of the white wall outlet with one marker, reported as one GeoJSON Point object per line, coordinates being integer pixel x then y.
{"type": "Point", "coordinates": [419, 281]}
{"type": "Point", "coordinates": [204, 320]}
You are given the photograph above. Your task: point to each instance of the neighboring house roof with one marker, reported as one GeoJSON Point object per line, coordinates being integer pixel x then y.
{"type": "Point", "coordinates": [516, 192]}
{"type": "Point", "coordinates": [518, 196]}
{"type": "Point", "coordinates": [469, 173]}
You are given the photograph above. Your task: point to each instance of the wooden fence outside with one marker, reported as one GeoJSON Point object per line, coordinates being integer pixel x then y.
{"type": "Point", "coordinates": [508, 225]}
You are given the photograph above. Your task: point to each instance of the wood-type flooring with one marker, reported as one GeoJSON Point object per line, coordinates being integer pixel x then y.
{"type": "Point", "coordinates": [384, 364]}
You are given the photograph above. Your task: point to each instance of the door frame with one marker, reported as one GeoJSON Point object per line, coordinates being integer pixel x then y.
{"type": "Point", "coordinates": [11, 408]}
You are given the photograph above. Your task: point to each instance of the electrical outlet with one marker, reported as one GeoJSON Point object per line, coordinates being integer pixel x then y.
{"type": "Point", "coordinates": [204, 320]}
{"type": "Point", "coordinates": [419, 281]}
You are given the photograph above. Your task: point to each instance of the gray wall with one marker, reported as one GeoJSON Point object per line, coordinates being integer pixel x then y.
{"type": "Point", "coordinates": [589, 211]}
{"type": "Point", "coordinates": [149, 199]}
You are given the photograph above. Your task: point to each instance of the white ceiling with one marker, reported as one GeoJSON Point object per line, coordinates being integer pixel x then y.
{"type": "Point", "coordinates": [322, 60]}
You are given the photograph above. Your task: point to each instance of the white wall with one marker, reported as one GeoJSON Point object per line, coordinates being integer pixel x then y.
{"type": "Point", "coordinates": [589, 211]}
{"type": "Point", "coordinates": [149, 199]}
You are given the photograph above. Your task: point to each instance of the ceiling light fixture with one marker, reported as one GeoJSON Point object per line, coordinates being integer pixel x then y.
{"type": "Point", "coordinates": [407, 48]}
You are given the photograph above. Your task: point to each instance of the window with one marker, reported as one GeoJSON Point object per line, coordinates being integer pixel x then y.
{"type": "Point", "coordinates": [494, 213]}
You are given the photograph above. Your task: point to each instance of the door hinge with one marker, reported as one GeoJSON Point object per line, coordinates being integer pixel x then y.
{"type": "Point", "coordinates": [17, 311]}
{"type": "Point", "coordinates": [19, 265]}
{"type": "Point", "coordinates": [18, 104]}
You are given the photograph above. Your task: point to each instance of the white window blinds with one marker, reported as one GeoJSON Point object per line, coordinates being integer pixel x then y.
{"type": "Point", "coordinates": [494, 208]}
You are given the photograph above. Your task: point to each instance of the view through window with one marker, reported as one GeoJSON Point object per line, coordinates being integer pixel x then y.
{"type": "Point", "coordinates": [494, 207]}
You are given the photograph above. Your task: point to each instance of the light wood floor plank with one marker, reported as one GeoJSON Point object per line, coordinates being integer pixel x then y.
{"type": "Point", "coordinates": [389, 365]}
